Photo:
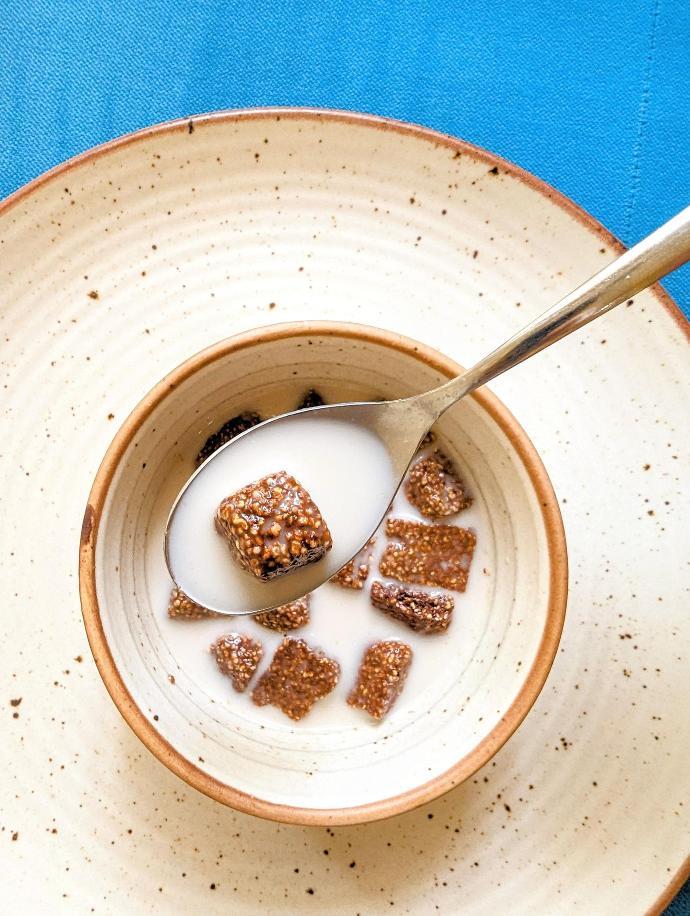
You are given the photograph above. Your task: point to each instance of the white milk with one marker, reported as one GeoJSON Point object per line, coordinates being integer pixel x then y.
{"type": "Point", "coordinates": [343, 624]}
{"type": "Point", "coordinates": [345, 469]}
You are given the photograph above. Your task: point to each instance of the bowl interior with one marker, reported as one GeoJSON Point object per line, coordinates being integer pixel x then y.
{"type": "Point", "coordinates": [485, 674]}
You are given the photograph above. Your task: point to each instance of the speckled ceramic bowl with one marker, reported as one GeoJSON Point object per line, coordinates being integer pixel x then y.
{"type": "Point", "coordinates": [325, 774]}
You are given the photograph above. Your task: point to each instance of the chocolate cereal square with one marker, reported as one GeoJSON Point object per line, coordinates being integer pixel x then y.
{"type": "Point", "coordinates": [273, 526]}
{"type": "Point", "coordinates": [228, 431]}
{"type": "Point", "coordinates": [297, 677]}
{"type": "Point", "coordinates": [422, 612]}
{"type": "Point", "coordinates": [238, 657]}
{"type": "Point", "coordinates": [381, 677]}
{"type": "Point", "coordinates": [428, 554]}
{"type": "Point", "coordinates": [355, 573]}
{"type": "Point", "coordinates": [180, 607]}
{"type": "Point", "coordinates": [434, 487]}
{"type": "Point", "coordinates": [286, 617]}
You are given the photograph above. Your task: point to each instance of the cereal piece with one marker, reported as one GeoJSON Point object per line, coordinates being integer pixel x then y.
{"type": "Point", "coordinates": [297, 677]}
{"type": "Point", "coordinates": [239, 424]}
{"type": "Point", "coordinates": [420, 611]}
{"type": "Point", "coordinates": [287, 616]}
{"type": "Point", "coordinates": [273, 526]}
{"type": "Point", "coordinates": [429, 554]}
{"type": "Point", "coordinates": [238, 656]}
{"type": "Point", "coordinates": [183, 608]}
{"type": "Point", "coordinates": [381, 677]}
{"type": "Point", "coordinates": [354, 574]}
{"type": "Point", "coordinates": [311, 399]}
{"type": "Point", "coordinates": [434, 487]}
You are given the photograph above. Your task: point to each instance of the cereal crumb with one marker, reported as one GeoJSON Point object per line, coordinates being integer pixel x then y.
{"type": "Point", "coordinates": [273, 526]}
{"type": "Point", "coordinates": [381, 678]}
{"type": "Point", "coordinates": [434, 487]}
{"type": "Point", "coordinates": [238, 656]}
{"type": "Point", "coordinates": [183, 608]}
{"type": "Point", "coordinates": [354, 574]}
{"type": "Point", "coordinates": [420, 611]}
{"type": "Point", "coordinates": [312, 398]}
{"type": "Point", "coordinates": [429, 554]}
{"type": "Point", "coordinates": [286, 617]}
{"type": "Point", "coordinates": [227, 432]}
{"type": "Point", "coordinates": [297, 677]}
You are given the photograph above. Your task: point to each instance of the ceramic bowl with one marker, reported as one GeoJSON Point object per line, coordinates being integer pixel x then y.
{"type": "Point", "coordinates": [506, 636]}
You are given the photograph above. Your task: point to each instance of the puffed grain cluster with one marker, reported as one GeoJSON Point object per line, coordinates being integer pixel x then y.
{"type": "Point", "coordinates": [381, 677]}
{"type": "Point", "coordinates": [421, 612]}
{"type": "Point", "coordinates": [182, 607]}
{"type": "Point", "coordinates": [297, 677]}
{"type": "Point", "coordinates": [435, 488]}
{"type": "Point", "coordinates": [355, 573]}
{"type": "Point", "coordinates": [428, 554]}
{"type": "Point", "coordinates": [238, 657]}
{"type": "Point", "coordinates": [286, 617]}
{"type": "Point", "coordinates": [273, 526]}
{"type": "Point", "coordinates": [227, 432]}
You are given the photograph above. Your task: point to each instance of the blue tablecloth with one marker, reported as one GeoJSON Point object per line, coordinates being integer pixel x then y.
{"type": "Point", "coordinates": [592, 96]}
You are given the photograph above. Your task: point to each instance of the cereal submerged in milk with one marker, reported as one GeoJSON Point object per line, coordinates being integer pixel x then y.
{"type": "Point", "coordinates": [312, 398]}
{"type": "Point", "coordinates": [422, 612]}
{"type": "Point", "coordinates": [381, 677]}
{"type": "Point", "coordinates": [355, 573]}
{"type": "Point", "coordinates": [434, 487]}
{"type": "Point", "coordinates": [227, 432]}
{"type": "Point", "coordinates": [297, 677]}
{"type": "Point", "coordinates": [181, 607]}
{"type": "Point", "coordinates": [238, 656]}
{"type": "Point", "coordinates": [428, 554]}
{"type": "Point", "coordinates": [286, 617]}
{"type": "Point", "coordinates": [273, 526]}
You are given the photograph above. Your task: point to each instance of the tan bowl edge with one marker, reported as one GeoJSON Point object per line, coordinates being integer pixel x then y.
{"type": "Point", "coordinates": [184, 768]}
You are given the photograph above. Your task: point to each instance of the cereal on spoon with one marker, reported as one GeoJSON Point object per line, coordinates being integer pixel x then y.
{"type": "Point", "coordinates": [273, 526]}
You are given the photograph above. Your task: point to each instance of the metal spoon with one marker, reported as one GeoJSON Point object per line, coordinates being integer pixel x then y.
{"type": "Point", "coordinates": [397, 427]}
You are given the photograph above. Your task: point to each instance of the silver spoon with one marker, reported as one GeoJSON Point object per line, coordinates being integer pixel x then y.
{"type": "Point", "coordinates": [392, 429]}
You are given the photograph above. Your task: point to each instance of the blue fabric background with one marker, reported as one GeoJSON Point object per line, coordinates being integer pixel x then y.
{"type": "Point", "coordinates": [591, 95]}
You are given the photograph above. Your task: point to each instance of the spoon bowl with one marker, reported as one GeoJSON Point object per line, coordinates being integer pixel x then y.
{"type": "Point", "coordinates": [351, 462]}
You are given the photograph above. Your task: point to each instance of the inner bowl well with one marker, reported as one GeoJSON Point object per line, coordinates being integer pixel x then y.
{"type": "Point", "coordinates": [504, 636]}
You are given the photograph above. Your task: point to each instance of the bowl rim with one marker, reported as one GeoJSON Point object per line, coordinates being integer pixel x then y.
{"type": "Point", "coordinates": [176, 761]}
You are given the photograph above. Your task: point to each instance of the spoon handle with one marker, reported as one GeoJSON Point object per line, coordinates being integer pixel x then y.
{"type": "Point", "coordinates": [667, 248]}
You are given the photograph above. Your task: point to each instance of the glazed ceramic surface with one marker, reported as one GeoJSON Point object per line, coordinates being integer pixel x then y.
{"type": "Point", "coordinates": [114, 270]}
{"type": "Point", "coordinates": [335, 766]}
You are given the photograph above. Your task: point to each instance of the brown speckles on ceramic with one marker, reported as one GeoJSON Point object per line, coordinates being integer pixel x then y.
{"type": "Point", "coordinates": [605, 820]}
